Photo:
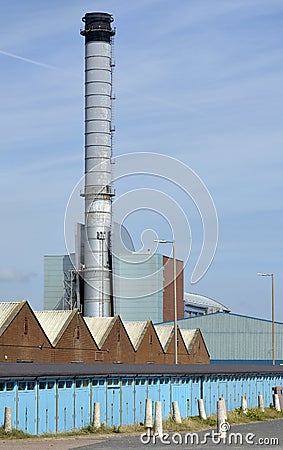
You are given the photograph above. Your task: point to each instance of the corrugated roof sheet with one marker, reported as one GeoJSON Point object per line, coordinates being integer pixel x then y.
{"type": "Point", "coordinates": [54, 322]}
{"type": "Point", "coordinates": [188, 337]}
{"type": "Point", "coordinates": [136, 331]}
{"type": "Point", "coordinates": [100, 327]}
{"type": "Point", "coordinates": [164, 333]}
{"type": "Point", "coordinates": [8, 310]}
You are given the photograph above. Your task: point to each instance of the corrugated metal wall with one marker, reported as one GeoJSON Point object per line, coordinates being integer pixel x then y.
{"type": "Point", "coordinates": [234, 338]}
{"type": "Point", "coordinates": [138, 289]}
{"type": "Point", "coordinates": [56, 267]}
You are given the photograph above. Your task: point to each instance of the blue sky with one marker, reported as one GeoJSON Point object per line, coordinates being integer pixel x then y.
{"type": "Point", "coordinates": [198, 80]}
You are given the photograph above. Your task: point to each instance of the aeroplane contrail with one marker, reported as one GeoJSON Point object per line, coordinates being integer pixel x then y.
{"type": "Point", "coordinates": [31, 61]}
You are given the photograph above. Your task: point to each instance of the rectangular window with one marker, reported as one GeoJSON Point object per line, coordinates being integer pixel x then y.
{"type": "Point", "coordinates": [31, 385]}
{"type": "Point", "coordinates": [50, 384]}
{"type": "Point", "coordinates": [61, 384]}
{"type": "Point", "coordinates": [9, 386]}
{"type": "Point", "coordinates": [113, 381]}
{"type": "Point", "coordinates": [42, 385]}
{"type": "Point", "coordinates": [85, 383]}
{"type": "Point", "coordinates": [21, 385]}
{"type": "Point", "coordinates": [2, 386]}
{"type": "Point", "coordinates": [26, 325]}
{"type": "Point", "coordinates": [98, 356]}
{"type": "Point", "coordinates": [78, 383]}
{"type": "Point", "coordinates": [69, 384]}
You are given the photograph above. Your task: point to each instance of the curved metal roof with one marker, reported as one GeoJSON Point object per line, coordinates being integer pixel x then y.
{"type": "Point", "coordinates": [202, 300]}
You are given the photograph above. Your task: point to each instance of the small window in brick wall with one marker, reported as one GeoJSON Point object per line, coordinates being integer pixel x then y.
{"type": "Point", "coordinates": [26, 325]}
{"type": "Point", "coordinates": [78, 332]}
{"type": "Point", "coordinates": [98, 356]}
{"type": "Point", "coordinates": [150, 339]}
{"type": "Point", "coordinates": [118, 335]}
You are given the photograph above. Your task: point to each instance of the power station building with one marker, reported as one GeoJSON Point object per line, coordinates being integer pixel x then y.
{"type": "Point", "coordinates": [100, 279]}
{"type": "Point", "coordinates": [143, 287]}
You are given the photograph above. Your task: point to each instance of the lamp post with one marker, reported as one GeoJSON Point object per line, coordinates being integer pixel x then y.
{"type": "Point", "coordinates": [101, 236]}
{"type": "Point", "coordinates": [165, 241]}
{"type": "Point", "coordinates": [272, 311]}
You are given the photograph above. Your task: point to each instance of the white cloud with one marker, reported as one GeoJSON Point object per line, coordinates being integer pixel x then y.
{"type": "Point", "coordinates": [13, 275]}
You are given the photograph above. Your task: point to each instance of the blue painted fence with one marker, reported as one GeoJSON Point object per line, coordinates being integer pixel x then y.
{"type": "Point", "coordinates": [58, 405]}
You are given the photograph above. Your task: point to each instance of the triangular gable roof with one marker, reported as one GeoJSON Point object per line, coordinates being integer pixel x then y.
{"type": "Point", "coordinates": [100, 328]}
{"type": "Point", "coordinates": [164, 333]}
{"type": "Point", "coordinates": [188, 337]}
{"type": "Point", "coordinates": [136, 331]}
{"type": "Point", "coordinates": [8, 311]}
{"type": "Point", "coordinates": [54, 323]}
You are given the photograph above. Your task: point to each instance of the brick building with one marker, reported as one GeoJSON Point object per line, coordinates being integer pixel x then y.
{"type": "Point", "coordinates": [66, 336]}
{"type": "Point", "coordinates": [112, 339]}
{"type": "Point", "coordinates": [69, 336]}
{"type": "Point", "coordinates": [148, 348]}
{"type": "Point", "coordinates": [21, 336]}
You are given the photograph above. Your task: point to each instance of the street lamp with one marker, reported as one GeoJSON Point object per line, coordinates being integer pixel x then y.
{"type": "Point", "coordinates": [101, 236]}
{"type": "Point", "coordinates": [165, 241]}
{"type": "Point", "coordinates": [272, 310]}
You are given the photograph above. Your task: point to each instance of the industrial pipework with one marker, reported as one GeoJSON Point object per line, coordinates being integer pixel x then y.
{"type": "Point", "coordinates": [98, 151]}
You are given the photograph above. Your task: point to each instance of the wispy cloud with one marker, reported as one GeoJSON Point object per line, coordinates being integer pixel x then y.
{"type": "Point", "coordinates": [13, 275]}
{"type": "Point", "coordinates": [30, 61]}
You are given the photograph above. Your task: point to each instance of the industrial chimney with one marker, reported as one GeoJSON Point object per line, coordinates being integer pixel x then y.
{"type": "Point", "coordinates": [98, 151]}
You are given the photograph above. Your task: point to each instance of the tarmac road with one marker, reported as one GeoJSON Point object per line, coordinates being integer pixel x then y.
{"type": "Point", "coordinates": [268, 434]}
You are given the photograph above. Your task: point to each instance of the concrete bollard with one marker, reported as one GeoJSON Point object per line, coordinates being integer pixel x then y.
{"type": "Point", "coordinates": [201, 408]}
{"type": "Point", "coordinates": [158, 431]}
{"type": "Point", "coordinates": [260, 403]}
{"type": "Point", "coordinates": [8, 419]}
{"type": "Point", "coordinates": [96, 415]}
{"type": "Point", "coordinates": [176, 412]}
{"type": "Point", "coordinates": [221, 418]}
{"type": "Point", "coordinates": [148, 413]}
{"type": "Point", "coordinates": [276, 402]}
{"type": "Point", "coordinates": [244, 405]}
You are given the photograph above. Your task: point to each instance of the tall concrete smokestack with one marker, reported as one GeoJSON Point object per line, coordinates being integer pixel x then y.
{"type": "Point", "coordinates": [98, 192]}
